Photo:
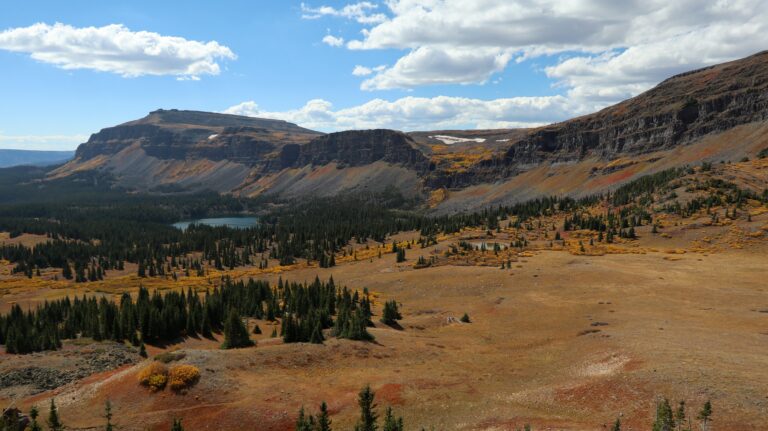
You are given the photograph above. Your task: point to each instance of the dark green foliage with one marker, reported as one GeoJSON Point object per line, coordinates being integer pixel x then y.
{"type": "Point", "coordinates": [54, 423]}
{"type": "Point", "coordinates": [108, 416]}
{"type": "Point", "coordinates": [616, 425]}
{"type": "Point", "coordinates": [33, 415]}
{"type": "Point", "coordinates": [763, 153]}
{"type": "Point", "coordinates": [235, 333]}
{"type": "Point", "coordinates": [390, 314]}
{"type": "Point", "coordinates": [705, 414]}
{"type": "Point", "coordinates": [465, 318]}
{"type": "Point", "coordinates": [664, 420]}
{"type": "Point", "coordinates": [176, 426]}
{"type": "Point", "coordinates": [368, 417]}
{"type": "Point", "coordinates": [306, 311]}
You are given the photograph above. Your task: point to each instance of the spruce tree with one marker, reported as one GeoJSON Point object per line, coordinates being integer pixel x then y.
{"type": "Point", "coordinates": [391, 314]}
{"type": "Point", "coordinates": [465, 318]}
{"type": "Point", "coordinates": [368, 416]}
{"type": "Point", "coordinates": [108, 416]}
{"type": "Point", "coordinates": [33, 414]}
{"type": "Point", "coordinates": [323, 421]}
{"type": "Point", "coordinates": [664, 420]}
{"type": "Point", "coordinates": [54, 423]}
{"type": "Point", "coordinates": [235, 334]}
{"type": "Point", "coordinates": [705, 415]}
{"type": "Point", "coordinates": [616, 425]}
{"type": "Point", "coordinates": [177, 425]}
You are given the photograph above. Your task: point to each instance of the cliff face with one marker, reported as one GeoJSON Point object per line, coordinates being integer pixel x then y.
{"type": "Point", "coordinates": [185, 135]}
{"type": "Point", "coordinates": [678, 111]}
{"type": "Point", "coordinates": [357, 148]}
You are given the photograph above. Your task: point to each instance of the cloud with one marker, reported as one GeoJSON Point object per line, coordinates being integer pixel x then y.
{"type": "Point", "coordinates": [356, 11]}
{"type": "Point", "coordinates": [116, 49]}
{"type": "Point", "coordinates": [333, 40]}
{"type": "Point", "coordinates": [361, 71]}
{"type": "Point", "coordinates": [427, 65]}
{"type": "Point", "coordinates": [420, 113]}
{"type": "Point", "coordinates": [41, 142]}
{"type": "Point", "coordinates": [609, 50]}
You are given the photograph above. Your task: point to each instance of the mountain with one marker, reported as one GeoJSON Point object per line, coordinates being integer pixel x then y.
{"type": "Point", "coordinates": [9, 158]}
{"type": "Point", "coordinates": [712, 114]}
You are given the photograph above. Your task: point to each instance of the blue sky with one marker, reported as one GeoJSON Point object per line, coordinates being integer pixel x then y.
{"type": "Point", "coordinates": [431, 64]}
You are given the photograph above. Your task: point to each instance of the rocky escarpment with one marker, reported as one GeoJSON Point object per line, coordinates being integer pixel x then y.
{"type": "Point", "coordinates": [357, 148]}
{"type": "Point", "coordinates": [677, 112]}
{"type": "Point", "coordinates": [189, 135]}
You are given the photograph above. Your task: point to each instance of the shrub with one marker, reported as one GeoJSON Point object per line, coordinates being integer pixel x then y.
{"type": "Point", "coordinates": [154, 376]}
{"type": "Point", "coordinates": [169, 357]}
{"type": "Point", "coordinates": [465, 318]}
{"type": "Point", "coordinates": [183, 376]}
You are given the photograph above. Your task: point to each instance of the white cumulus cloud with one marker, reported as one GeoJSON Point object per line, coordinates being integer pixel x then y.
{"type": "Point", "coordinates": [420, 113]}
{"type": "Point", "coordinates": [333, 40]}
{"type": "Point", "coordinates": [610, 49]}
{"type": "Point", "coordinates": [360, 12]}
{"type": "Point", "coordinates": [116, 49]}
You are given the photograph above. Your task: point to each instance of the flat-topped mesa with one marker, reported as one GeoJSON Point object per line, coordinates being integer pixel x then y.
{"type": "Point", "coordinates": [357, 148]}
{"type": "Point", "coordinates": [180, 135]}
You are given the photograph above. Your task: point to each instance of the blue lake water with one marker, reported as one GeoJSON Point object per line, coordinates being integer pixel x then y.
{"type": "Point", "coordinates": [232, 222]}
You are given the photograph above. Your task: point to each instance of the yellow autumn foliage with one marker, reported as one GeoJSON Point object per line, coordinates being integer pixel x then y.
{"type": "Point", "coordinates": [154, 376]}
{"type": "Point", "coordinates": [183, 376]}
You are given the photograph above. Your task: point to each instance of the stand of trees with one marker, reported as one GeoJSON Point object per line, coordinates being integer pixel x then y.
{"type": "Point", "coordinates": [305, 310]}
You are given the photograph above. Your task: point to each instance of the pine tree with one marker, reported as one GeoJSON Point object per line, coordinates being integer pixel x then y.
{"type": "Point", "coordinates": [33, 415]}
{"type": "Point", "coordinates": [680, 415]}
{"type": "Point", "coordinates": [323, 421]}
{"type": "Point", "coordinates": [177, 425]}
{"type": "Point", "coordinates": [142, 350]}
{"type": "Point", "coordinates": [391, 423]}
{"type": "Point", "coordinates": [368, 416]}
{"type": "Point", "coordinates": [108, 416]}
{"type": "Point", "coordinates": [390, 315]}
{"type": "Point", "coordinates": [257, 330]}
{"type": "Point", "coordinates": [705, 415]}
{"type": "Point", "coordinates": [616, 425]}
{"type": "Point", "coordinates": [664, 420]}
{"type": "Point", "coordinates": [465, 318]}
{"type": "Point", "coordinates": [54, 423]}
{"type": "Point", "coordinates": [235, 334]}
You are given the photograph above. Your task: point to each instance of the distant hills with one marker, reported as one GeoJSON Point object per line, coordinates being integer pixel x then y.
{"type": "Point", "coordinates": [719, 113]}
{"type": "Point", "coordinates": [9, 158]}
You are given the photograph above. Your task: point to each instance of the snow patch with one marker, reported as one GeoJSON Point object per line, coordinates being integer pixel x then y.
{"type": "Point", "coordinates": [450, 140]}
{"type": "Point", "coordinates": [213, 136]}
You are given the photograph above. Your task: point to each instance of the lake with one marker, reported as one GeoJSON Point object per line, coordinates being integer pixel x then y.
{"type": "Point", "coordinates": [232, 222]}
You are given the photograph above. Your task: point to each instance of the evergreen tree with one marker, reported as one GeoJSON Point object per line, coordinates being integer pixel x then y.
{"type": "Point", "coordinates": [391, 423]}
{"type": "Point", "coordinates": [108, 416]}
{"type": "Point", "coordinates": [54, 423]}
{"type": "Point", "coordinates": [390, 315]}
{"type": "Point", "coordinates": [235, 334]}
{"type": "Point", "coordinates": [177, 425]}
{"type": "Point", "coordinates": [323, 421]}
{"type": "Point", "coordinates": [664, 420]}
{"type": "Point", "coordinates": [705, 415]}
{"type": "Point", "coordinates": [465, 318]}
{"type": "Point", "coordinates": [616, 425]}
{"type": "Point", "coordinates": [33, 415]}
{"type": "Point", "coordinates": [142, 350]}
{"type": "Point", "coordinates": [368, 416]}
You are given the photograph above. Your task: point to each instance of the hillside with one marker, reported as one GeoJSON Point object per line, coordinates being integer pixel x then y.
{"type": "Point", "coordinates": [10, 158]}
{"type": "Point", "coordinates": [712, 114]}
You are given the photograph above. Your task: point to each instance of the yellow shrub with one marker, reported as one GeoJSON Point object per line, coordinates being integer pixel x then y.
{"type": "Point", "coordinates": [154, 376]}
{"type": "Point", "coordinates": [183, 376]}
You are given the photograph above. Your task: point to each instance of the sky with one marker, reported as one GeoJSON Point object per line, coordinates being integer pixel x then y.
{"type": "Point", "coordinates": [69, 69]}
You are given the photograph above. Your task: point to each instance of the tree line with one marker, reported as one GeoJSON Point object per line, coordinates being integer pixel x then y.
{"type": "Point", "coordinates": [304, 309]}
